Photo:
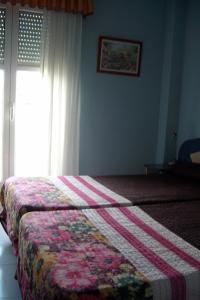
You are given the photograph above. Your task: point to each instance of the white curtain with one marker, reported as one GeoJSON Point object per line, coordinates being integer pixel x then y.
{"type": "Point", "coordinates": [61, 73]}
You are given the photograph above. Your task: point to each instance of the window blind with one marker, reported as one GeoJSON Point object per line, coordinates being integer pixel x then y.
{"type": "Point", "coordinates": [30, 38]}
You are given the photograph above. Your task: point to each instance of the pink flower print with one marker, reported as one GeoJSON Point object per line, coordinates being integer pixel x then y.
{"type": "Point", "coordinates": [105, 257]}
{"type": "Point", "coordinates": [73, 276]}
{"type": "Point", "coordinates": [66, 257]}
{"type": "Point", "coordinates": [101, 249]}
{"type": "Point", "coordinates": [90, 250]}
{"type": "Point", "coordinates": [52, 235]}
{"type": "Point", "coordinates": [59, 235]}
{"type": "Point", "coordinates": [83, 247]}
{"type": "Point", "coordinates": [108, 262]}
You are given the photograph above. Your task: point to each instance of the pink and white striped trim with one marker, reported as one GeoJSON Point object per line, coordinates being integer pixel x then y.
{"type": "Point", "coordinates": [174, 273]}
{"type": "Point", "coordinates": [85, 192]}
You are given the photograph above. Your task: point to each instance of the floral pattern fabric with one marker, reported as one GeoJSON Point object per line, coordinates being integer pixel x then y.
{"type": "Point", "coordinates": [20, 195]}
{"type": "Point", "coordinates": [62, 255]}
{"type": "Point", "coordinates": [24, 194]}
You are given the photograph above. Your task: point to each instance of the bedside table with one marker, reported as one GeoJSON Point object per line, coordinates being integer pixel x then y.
{"type": "Point", "coordinates": [155, 168]}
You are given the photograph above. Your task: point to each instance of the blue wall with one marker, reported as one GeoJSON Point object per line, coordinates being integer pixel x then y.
{"type": "Point", "coordinates": [189, 121]}
{"type": "Point", "coordinates": [120, 114]}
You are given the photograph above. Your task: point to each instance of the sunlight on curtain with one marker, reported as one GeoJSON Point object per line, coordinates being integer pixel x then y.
{"type": "Point", "coordinates": [47, 111]}
{"type": "Point", "coordinates": [62, 84]}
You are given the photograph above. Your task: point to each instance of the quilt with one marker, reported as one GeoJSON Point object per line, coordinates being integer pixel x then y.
{"type": "Point", "coordinates": [104, 254]}
{"type": "Point", "coordinates": [24, 194]}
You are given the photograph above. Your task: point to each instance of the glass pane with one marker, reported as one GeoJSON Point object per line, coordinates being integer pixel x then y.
{"type": "Point", "coordinates": [29, 38]}
{"type": "Point", "coordinates": [2, 34]}
{"type": "Point", "coordinates": [1, 120]}
{"type": "Point", "coordinates": [31, 126]}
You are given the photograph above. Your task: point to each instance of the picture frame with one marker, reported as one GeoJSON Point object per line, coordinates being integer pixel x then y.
{"type": "Point", "coordinates": [119, 56]}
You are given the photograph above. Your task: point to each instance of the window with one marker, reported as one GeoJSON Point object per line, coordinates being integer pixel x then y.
{"type": "Point", "coordinates": [22, 103]}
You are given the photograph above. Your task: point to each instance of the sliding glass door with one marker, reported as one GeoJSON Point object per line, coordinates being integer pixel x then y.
{"type": "Point", "coordinates": [25, 111]}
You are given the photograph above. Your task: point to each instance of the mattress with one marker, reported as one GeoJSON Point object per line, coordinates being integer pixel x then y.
{"type": "Point", "coordinates": [105, 253]}
{"type": "Point", "coordinates": [24, 194]}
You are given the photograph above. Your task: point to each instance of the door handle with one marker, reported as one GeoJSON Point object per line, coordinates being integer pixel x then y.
{"type": "Point", "coordinates": [12, 113]}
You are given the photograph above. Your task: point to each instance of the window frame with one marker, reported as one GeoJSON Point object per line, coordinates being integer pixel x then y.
{"type": "Point", "coordinates": [10, 68]}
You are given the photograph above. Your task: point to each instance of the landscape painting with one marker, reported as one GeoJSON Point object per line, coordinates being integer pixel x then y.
{"type": "Point", "coordinates": [119, 56]}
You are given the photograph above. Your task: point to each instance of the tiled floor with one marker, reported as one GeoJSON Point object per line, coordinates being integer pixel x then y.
{"type": "Point", "coordinates": [9, 289]}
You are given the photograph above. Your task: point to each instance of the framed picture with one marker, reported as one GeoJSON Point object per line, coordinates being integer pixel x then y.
{"type": "Point", "coordinates": [119, 56]}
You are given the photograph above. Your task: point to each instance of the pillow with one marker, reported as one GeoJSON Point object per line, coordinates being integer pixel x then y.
{"type": "Point", "coordinates": [189, 170]}
{"type": "Point", "coordinates": [195, 157]}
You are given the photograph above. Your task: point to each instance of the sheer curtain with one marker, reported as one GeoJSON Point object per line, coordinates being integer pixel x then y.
{"type": "Point", "coordinates": [61, 74]}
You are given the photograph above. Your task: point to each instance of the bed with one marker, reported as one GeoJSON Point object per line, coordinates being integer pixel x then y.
{"type": "Point", "coordinates": [111, 253]}
{"type": "Point", "coordinates": [25, 194]}
{"type": "Point", "coordinates": [20, 195]}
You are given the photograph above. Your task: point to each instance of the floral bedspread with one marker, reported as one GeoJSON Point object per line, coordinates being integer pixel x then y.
{"type": "Point", "coordinates": [106, 253]}
{"type": "Point", "coordinates": [20, 195]}
{"type": "Point", "coordinates": [62, 255]}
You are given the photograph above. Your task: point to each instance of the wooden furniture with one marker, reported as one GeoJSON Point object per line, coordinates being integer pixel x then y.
{"type": "Point", "coordinates": [155, 168]}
